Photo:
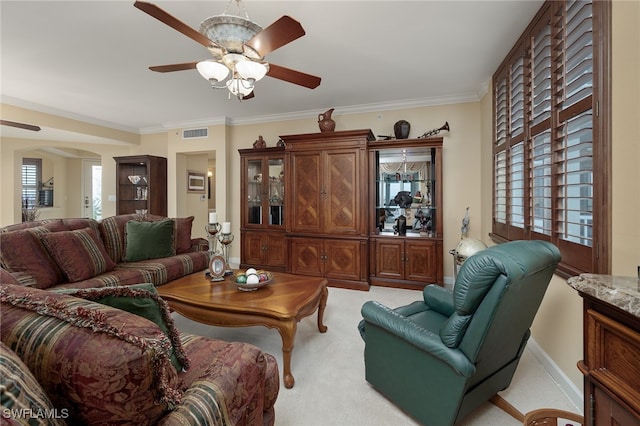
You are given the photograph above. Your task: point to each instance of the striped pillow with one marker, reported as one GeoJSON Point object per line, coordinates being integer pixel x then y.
{"type": "Point", "coordinates": [80, 254]}
{"type": "Point", "coordinates": [21, 394]}
{"type": "Point", "coordinates": [23, 254]}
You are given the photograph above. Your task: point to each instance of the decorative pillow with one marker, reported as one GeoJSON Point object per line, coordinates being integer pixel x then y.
{"type": "Point", "coordinates": [148, 240]}
{"type": "Point", "coordinates": [21, 252]}
{"type": "Point", "coordinates": [112, 233]}
{"type": "Point", "coordinates": [181, 231]}
{"type": "Point", "coordinates": [142, 300]}
{"type": "Point", "coordinates": [80, 254]}
{"type": "Point", "coordinates": [182, 234]}
{"type": "Point", "coordinates": [21, 393]}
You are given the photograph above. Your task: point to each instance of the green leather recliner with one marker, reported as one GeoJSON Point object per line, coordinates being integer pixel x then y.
{"type": "Point", "coordinates": [440, 358]}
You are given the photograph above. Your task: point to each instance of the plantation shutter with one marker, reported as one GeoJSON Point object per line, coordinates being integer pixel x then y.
{"type": "Point", "coordinates": [501, 105]}
{"type": "Point", "coordinates": [550, 138]}
{"type": "Point", "coordinates": [540, 164]}
{"type": "Point", "coordinates": [574, 142]}
{"type": "Point", "coordinates": [30, 181]}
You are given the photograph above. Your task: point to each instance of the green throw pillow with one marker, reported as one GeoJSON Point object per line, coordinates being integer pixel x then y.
{"type": "Point", "coordinates": [148, 240]}
{"type": "Point", "coordinates": [142, 300]}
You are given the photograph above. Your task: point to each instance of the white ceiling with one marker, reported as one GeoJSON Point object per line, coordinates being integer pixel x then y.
{"type": "Point", "coordinates": [90, 59]}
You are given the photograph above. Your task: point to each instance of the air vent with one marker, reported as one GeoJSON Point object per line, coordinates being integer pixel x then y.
{"type": "Point", "coordinates": [195, 133]}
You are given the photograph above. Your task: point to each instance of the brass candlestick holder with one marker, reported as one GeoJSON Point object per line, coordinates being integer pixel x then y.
{"type": "Point", "coordinates": [225, 241]}
{"type": "Point", "coordinates": [212, 230]}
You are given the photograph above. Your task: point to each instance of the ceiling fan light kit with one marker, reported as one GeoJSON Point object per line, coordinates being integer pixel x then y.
{"type": "Point", "coordinates": [238, 46]}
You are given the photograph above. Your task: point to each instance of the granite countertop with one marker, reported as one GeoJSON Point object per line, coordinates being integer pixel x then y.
{"type": "Point", "coordinates": [622, 292]}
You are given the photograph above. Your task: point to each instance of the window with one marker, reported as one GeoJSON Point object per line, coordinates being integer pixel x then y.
{"type": "Point", "coordinates": [552, 135]}
{"type": "Point", "coordinates": [31, 181]}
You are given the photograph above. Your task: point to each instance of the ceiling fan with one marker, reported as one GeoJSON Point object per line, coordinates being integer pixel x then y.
{"type": "Point", "coordinates": [238, 46]}
{"type": "Point", "coordinates": [20, 125]}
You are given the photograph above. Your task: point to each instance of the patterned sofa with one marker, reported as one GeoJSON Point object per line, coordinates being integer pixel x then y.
{"type": "Point", "coordinates": [84, 253]}
{"type": "Point", "coordinates": [83, 342]}
{"type": "Point", "coordinates": [67, 359]}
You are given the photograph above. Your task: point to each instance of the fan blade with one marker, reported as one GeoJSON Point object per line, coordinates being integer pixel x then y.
{"type": "Point", "coordinates": [293, 76]}
{"type": "Point", "coordinates": [276, 35]}
{"type": "Point", "coordinates": [175, 23]}
{"type": "Point", "coordinates": [174, 67]}
{"type": "Point", "coordinates": [249, 96]}
{"type": "Point", "coordinates": [20, 125]}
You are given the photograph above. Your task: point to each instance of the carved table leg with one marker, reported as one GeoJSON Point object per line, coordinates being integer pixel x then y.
{"type": "Point", "coordinates": [288, 334]}
{"type": "Point", "coordinates": [321, 306]}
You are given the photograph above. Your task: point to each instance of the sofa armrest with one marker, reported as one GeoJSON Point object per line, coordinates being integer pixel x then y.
{"type": "Point", "coordinates": [89, 357]}
{"type": "Point", "coordinates": [396, 324]}
{"type": "Point", "coordinates": [199, 244]}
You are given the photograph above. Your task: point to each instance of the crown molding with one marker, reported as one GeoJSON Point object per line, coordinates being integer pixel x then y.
{"type": "Point", "coordinates": [269, 118]}
{"type": "Point", "coordinates": [304, 115]}
{"type": "Point", "coordinates": [65, 114]}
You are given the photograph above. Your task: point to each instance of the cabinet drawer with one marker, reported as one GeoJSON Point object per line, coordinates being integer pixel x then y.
{"type": "Point", "coordinates": [613, 356]}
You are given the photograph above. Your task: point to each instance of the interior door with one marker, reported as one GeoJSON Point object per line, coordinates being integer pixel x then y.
{"type": "Point", "coordinates": [92, 189]}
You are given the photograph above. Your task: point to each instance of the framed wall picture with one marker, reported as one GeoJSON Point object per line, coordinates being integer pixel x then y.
{"type": "Point", "coordinates": [196, 182]}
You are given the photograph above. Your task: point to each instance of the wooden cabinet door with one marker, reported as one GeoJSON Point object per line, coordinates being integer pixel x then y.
{"type": "Point", "coordinates": [276, 249]}
{"type": "Point", "coordinates": [342, 259]}
{"type": "Point", "coordinates": [340, 192]}
{"type": "Point", "coordinates": [307, 255]}
{"type": "Point", "coordinates": [253, 248]}
{"type": "Point", "coordinates": [421, 261]}
{"type": "Point", "coordinates": [389, 257]}
{"type": "Point", "coordinates": [609, 412]}
{"type": "Point", "coordinates": [306, 192]}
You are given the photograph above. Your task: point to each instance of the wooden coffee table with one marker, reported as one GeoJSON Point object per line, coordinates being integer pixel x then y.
{"type": "Point", "coordinates": [280, 304]}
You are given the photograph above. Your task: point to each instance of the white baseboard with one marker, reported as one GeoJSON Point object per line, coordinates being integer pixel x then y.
{"type": "Point", "coordinates": [572, 392]}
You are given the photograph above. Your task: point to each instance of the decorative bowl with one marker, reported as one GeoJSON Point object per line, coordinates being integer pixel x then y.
{"type": "Point", "coordinates": [245, 286]}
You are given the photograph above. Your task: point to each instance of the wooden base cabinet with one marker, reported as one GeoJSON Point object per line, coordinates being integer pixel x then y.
{"type": "Point", "coordinates": [264, 250]}
{"type": "Point", "coordinates": [405, 262]}
{"type": "Point", "coordinates": [342, 261]}
{"type": "Point", "coordinates": [611, 366]}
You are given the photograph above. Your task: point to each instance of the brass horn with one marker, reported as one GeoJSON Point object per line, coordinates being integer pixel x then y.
{"type": "Point", "coordinates": [433, 132]}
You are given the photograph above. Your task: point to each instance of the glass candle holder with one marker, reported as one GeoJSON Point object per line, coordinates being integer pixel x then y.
{"type": "Point", "coordinates": [225, 240]}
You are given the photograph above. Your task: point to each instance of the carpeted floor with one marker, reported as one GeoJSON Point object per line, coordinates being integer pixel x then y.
{"type": "Point", "coordinates": [328, 368]}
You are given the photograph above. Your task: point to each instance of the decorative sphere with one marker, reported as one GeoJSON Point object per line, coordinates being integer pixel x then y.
{"type": "Point", "coordinates": [466, 248]}
{"type": "Point", "coordinates": [251, 271]}
{"type": "Point", "coordinates": [241, 279]}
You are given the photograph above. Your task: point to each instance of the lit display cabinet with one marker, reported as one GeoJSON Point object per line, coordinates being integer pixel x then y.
{"type": "Point", "coordinates": [406, 245]}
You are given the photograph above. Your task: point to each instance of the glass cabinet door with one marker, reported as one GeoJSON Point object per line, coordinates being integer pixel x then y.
{"type": "Point", "coordinates": [276, 191]}
{"type": "Point", "coordinates": [406, 187]}
{"type": "Point", "coordinates": [255, 193]}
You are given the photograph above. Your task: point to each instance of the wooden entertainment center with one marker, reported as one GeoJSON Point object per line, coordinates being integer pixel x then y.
{"type": "Point", "coordinates": [325, 205]}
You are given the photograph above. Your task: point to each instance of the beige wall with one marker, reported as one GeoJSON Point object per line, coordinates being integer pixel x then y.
{"type": "Point", "coordinates": [625, 194]}
{"type": "Point", "coordinates": [467, 174]}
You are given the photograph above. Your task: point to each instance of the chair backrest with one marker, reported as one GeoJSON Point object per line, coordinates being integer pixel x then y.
{"type": "Point", "coordinates": [496, 296]}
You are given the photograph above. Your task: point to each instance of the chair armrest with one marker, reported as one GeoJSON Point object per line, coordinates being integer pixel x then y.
{"type": "Point", "coordinates": [439, 299]}
{"type": "Point", "coordinates": [394, 323]}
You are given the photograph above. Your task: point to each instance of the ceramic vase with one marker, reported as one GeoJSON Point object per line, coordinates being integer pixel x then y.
{"type": "Point", "coordinates": [401, 129]}
{"type": "Point", "coordinates": [325, 122]}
